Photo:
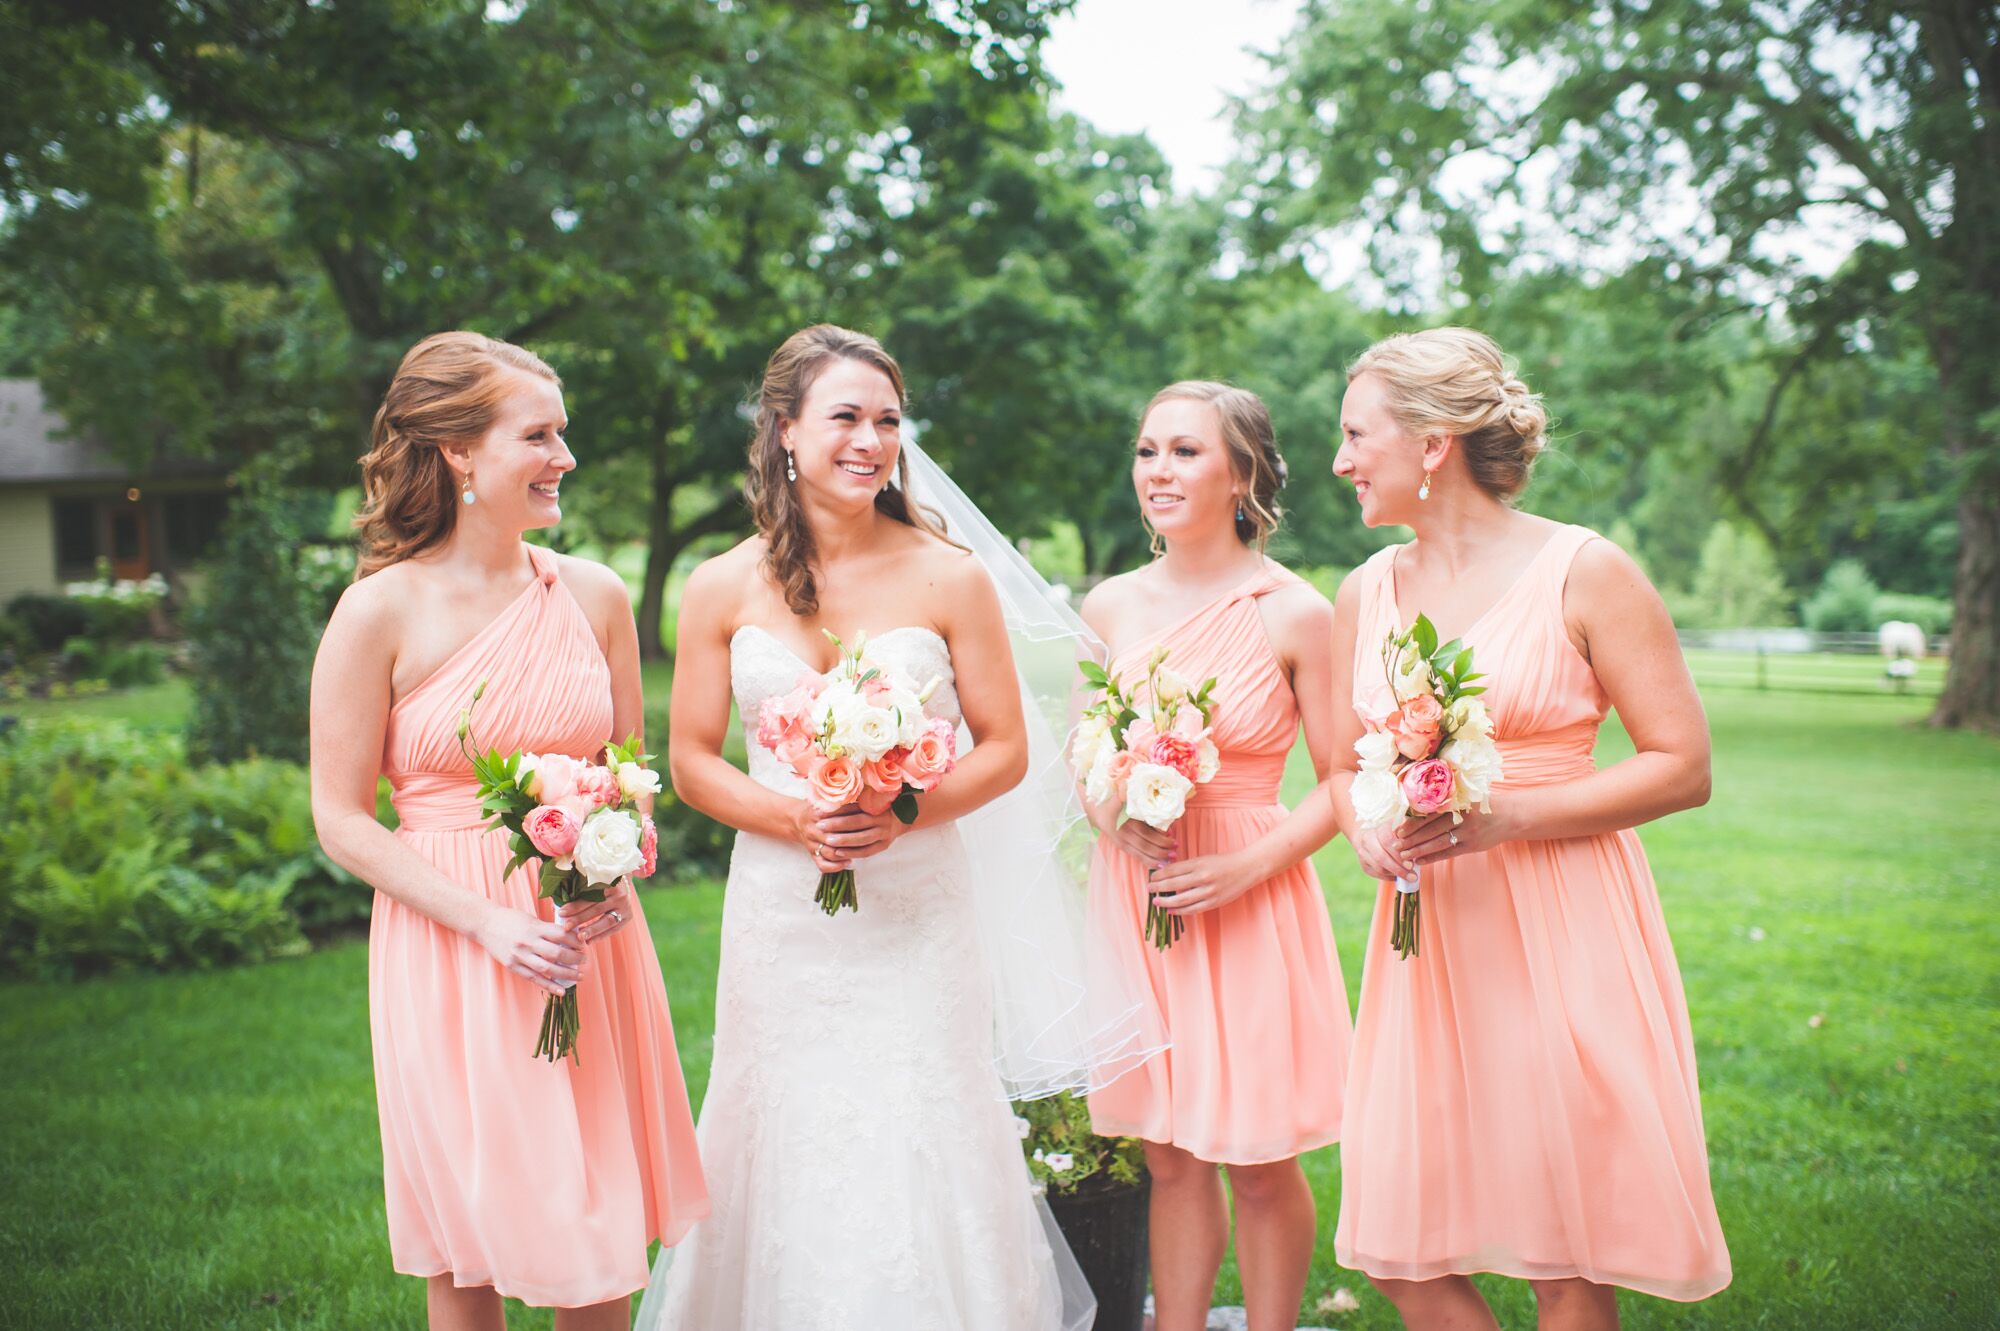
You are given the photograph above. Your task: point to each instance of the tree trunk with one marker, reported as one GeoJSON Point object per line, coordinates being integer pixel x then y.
{"type": "Point", "coordinates": [1971, 696]}
{"type": "Point", "coordinates": [661, 549]}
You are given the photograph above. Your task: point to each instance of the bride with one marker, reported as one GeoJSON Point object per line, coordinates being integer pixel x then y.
{"type": "Point", "coordinates": [864, 1166]}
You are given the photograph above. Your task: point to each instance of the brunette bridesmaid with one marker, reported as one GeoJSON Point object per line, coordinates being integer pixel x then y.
{"type": "Point", "coordinates": [1250, 995]}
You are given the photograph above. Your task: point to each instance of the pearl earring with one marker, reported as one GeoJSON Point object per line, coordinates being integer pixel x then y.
{"type": "Point", "coordinates": [466, 496]}
{"type": "Point", "coordinates": [1424, 490]}
{"type": "Point", "coordinates": [791, 468]}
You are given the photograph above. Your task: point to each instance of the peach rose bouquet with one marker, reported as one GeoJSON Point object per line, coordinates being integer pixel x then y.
{"type": "Point", "coordinates": [858, 736]}
{"type": "Point", "coordinates": [1147, 747]}
{"type": "Point", "coordinates": [588, 823]}
{"type": "Point", "coordinates": [1433, 754]}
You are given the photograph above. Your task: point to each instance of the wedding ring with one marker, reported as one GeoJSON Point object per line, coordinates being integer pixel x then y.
{"type": "Point", "coordinates": [616, 918]}
{"type": "Point", "coordinates": [1454, 841]}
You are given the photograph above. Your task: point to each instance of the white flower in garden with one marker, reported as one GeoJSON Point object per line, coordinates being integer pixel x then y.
{"type": "Point", "coordinates": [608, 847]}
{"type": "Point", "coordinates": [1377, 798]}
{"type": "Point", "coordinates": [636, 781]}
{"type": "Point", "coordinates": [1022, 1127]}
{"type": "Point", "coordinates": [1156, 795]}
{"type": "Point", "coordinates": [1377, 749]}
{"type": "Point", "coordinates": [1059, 1161]}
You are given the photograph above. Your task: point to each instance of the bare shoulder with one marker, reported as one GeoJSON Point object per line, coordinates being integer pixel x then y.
{"type": "Point", "coordinates": [374, 607]}
{"type": "Point", "coordinates": [1108, 602]}
{"type": "Point", "coordinates": [1601, 575]}
{"type": "Point", "coordinates": [597, 587]}
{"type": "Point", "coordinates": [727, 575]}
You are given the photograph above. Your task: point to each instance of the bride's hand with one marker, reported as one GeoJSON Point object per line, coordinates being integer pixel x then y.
{"type": "Point", "coordinates": [841, 836]}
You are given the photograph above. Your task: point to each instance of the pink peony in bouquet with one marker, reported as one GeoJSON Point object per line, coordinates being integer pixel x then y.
{"type": "Point", "coordinates": [586, 822]}
{"type": "Point", "coordinates": [1433, 754]}
{"type": "Point", "coordinates": [1147, 748]}
{"type": "Point", "coordinates": [859, 736]}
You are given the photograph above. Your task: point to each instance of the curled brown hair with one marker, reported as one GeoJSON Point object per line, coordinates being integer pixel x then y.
{"type": "Point", "coordinates": [1455, 381]}
{"type": "Point", "coordinates": [1253, 451]}
{"type": "Point", "coordinates": [447, 390]}
{"type": "Point", "coordinates": [774, 501]}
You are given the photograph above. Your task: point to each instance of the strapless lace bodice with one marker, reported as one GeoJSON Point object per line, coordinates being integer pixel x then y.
{"type": "Point", "coordinates": [761, 667]}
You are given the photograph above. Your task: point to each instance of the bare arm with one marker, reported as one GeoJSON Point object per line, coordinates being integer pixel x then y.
{"type": "Point", "coordinates": [1147, 844]}
{"type": "Point", "coordinates": [699, 718]}
{"type": "Point", "coordinates": [349, 720]}
{"type": "Point", "coordinates": [1300, 622]}
{"type": "Point", "coordinates": [1374, 848]}
{"type": "Point", "coordinates": [1629, 639]}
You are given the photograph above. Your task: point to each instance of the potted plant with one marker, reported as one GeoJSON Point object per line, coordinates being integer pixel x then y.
{"type": "Point", "coordinates": [1098, 1189]}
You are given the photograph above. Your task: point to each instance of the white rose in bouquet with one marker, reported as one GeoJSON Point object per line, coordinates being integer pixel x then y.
{"type": "Point", "coordinates": [635, 781]}
{"type": "Point", "coordinates": [1156, 795]}
{"type": "Point", "coordinates": [1097, 782]}
{"type": "Point", "coordinates": [1091, 731]}
{"type": "Point", "coordinates": [608, 847]}
{"type": "Point", "coordinates": [1377, 749]}
{"type": "Point", "coordinates": [1168, 687]}
{"type": "Point", "coordinates": [1476, 762]}
{"type": "Point", "coordinates": [1207, 761]}
{"type": "Point", "coordinates": [1468, 717]}
{"type": "Point", "coordinates": [1415, 679]}
{"type": "Point", "coordinates": [1377, 798]}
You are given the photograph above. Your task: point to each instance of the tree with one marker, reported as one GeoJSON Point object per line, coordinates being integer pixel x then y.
{"type": "Point", "coordinates": [1706, 135]}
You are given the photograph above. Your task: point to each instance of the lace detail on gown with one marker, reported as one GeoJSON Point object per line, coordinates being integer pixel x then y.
{"type": "Point", "coordinates": [862, 1161]}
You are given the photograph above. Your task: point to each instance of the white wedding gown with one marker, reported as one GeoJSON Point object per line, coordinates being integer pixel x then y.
{"type": "Point", "coordinates": [863, 1163]}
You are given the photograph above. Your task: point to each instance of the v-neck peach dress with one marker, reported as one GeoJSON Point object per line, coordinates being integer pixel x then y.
{"type": "Point", "coordinates": [1522, 1095]}
{"type": "Point", "coordinates": [547, 1181]}
{"type": "Point", "coordinates": [1250, 996]}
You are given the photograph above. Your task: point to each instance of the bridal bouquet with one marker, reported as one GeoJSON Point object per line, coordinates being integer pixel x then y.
{"type": "Point", "coordinates": [1148, 748]}
{"type": "Point", "coordinates": [858, 735]}
{"type": "Point", "coordinates": [1433, 754]}
{"type": "Point", "coordinates": [586, 822]}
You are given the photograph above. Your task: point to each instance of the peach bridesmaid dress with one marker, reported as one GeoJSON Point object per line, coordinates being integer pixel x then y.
{"type": "Point", "coordinates": [1250, 996]}
{"type": "Point", "coordinates": [1522, 1094]}
{"type": "Point", "coordinates": [545, 1181]}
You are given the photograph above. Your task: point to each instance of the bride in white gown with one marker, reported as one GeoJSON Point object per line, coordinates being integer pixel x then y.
{"type": "Point", "coordinates": [863, 1163]}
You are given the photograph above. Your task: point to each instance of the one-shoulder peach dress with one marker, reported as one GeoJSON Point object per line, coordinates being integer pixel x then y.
{"type": "Point", "coordinates": [546, 1181]}
{"type": "Point", "coordinates": [1522, 1095]}
{"type": "Point", "coordinates": [1250, 996]}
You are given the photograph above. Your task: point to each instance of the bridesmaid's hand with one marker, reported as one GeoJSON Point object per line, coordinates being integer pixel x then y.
{"type": "Point", "coordinates": [1424, 841]}
{"type": "Point", "coordinates": [546, 955]}
{"type": "Point", "coordinates": [1375, 848]}
{"type": "Point", "coordinates": [1202, 883]}
{"type": "Point", "coordinates": [841, 836]}
{"type": "Point", "coordinates": [592, 920]}
{"type": "Point", "coordinates": [1142, 841]}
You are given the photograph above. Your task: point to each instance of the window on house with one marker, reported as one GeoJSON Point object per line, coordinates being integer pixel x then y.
{"type": "Point", "coordinates": [76, 534]}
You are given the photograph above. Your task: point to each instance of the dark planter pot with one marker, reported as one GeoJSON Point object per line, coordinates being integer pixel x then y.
{"type": "Point", "coordinates": [1107, 1232]}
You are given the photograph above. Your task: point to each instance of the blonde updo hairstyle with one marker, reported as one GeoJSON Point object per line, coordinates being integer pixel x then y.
{"type": "Point", "coordinates": [1456, 381]}
{"type": "Point", "coordinates": [1253, 451]}
{"type": "Point", "coordinates": [789, 553]}
{"type": "Point", "coordinates": [448, 389]}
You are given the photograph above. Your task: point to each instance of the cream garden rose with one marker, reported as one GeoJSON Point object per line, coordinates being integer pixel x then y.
{"type": "Point", "coordinates": [1156, 795]}
{"type": "Point", "coordinates": [608, 847]}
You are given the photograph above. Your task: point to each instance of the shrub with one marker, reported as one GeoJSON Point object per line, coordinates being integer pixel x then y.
{"type": "Point", "coordinates": [1083, 1162]}
{"type": "Point", "coordinates": [49, 621]}
{"type": "Point", "coordinates": [115, 853]}
{"type": "Point", "coordinates": [253, 633]}
{"type": "Point", "coordinates": [1845, 601]}
{"type": "Point", "coordinates": [1930, 613]}
{"type": "Point", "coordinates": [121, 665]}
{"type": "Point", "coordinates": [117, 609]}
{"type": "Point", "coordinates": [692, 845]}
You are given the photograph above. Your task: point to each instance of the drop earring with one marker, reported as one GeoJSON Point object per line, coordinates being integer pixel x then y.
{"type": "Point", "coordinates": [791, 467]}
{"type": "Point", "coordinates": [1239, 511]}
{"type": "Point", "coordinates": [1424, 490]}
{"type": "Point", "coordinates": [466, 496]}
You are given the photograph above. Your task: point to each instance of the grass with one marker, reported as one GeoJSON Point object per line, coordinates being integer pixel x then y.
{"type": "Point", "coordinates": [201, 1150]}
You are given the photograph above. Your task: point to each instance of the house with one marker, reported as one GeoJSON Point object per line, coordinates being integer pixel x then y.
{"type": "Point", "coordinates": [68, 501]}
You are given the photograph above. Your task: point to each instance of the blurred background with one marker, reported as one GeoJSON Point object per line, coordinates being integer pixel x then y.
{"type": "Point", "coordinates": [1750, 251]}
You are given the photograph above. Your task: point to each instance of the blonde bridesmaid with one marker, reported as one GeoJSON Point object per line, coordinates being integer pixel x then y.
{"type": "Point", "coordinates": [1522, 1097]}
{"type": "Point", "coordinates": [1250, 995]}
{"type": "Point", "coordinates": [504, 1175]}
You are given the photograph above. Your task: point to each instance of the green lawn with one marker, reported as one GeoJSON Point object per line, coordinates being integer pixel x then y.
{"type": "Point", "coordinates": [200, 1151]}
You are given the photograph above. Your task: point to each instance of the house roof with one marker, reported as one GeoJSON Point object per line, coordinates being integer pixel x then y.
{"type": "Point", "coordinates": [38, 447]}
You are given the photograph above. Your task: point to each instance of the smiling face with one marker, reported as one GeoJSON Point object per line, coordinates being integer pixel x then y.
{"type": "Point", "coordinates": [1383, 462]}
{"type": "Point", "coordinates": [847, 435]}
{"type": "Point", "coordinates": [1182, 470]}
{"type": "Point", "coordinates": [518, 465]}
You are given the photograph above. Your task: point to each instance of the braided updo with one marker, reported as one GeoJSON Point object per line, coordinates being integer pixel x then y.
{"type": "Point", "coordinates": [1456, 381]}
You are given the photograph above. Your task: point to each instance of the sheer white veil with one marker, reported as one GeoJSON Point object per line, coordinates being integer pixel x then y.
{"type": "Point", "coordinates": [1064, 1018]}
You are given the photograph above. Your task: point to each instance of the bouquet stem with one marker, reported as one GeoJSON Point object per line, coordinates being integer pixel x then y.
{"type": "Point", "coordinates": [1162, 927]}
{"type": "Point", "coordinates": [1403, 937]}
{"type": "Point", "coordinates": [560, 1025]}
{"type": "Point", "coordinates": [836, 892]}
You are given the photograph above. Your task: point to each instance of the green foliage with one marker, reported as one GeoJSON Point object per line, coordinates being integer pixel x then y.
{"type": "Point", "coordinates": [253, 633]}
{"type": "Point", "coordinates": [1059, 1126]}
{"type": "Point", "coordinates": [692, 845]}
{"type": "Point", "coordinates": [1845, 601]}
{"type": "Point", "coordinates": [115, 854]}
{"type": "Point", "coordinates": [1932, 614]}
{"type": "Point", "coordinates": [47, 622]}
{"type": "Point", "coordinates": [1736, 585]}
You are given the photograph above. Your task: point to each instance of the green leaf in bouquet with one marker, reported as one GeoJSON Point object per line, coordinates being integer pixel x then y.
{"type": "Point", "coordinates": [551, 878]}
{"type": "Point", "coordinates": [905, 807]}
{"type": "Point", "coordinates": [1425, 635]}
{"type": "Point", "coordinates": [1462, 664]}
{"type": "Point", "coordinates": [1094, 673]}
{"type": "Point", "coordinates": [1444, 654]}
{"type": "Point", "coordinates": [1467, 693]}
